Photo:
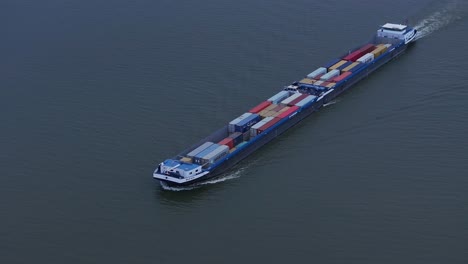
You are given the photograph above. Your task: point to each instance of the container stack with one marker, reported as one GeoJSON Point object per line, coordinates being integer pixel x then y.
{"type": "Point", "coordinates": [197, 150]}
{"type": "Point", "coordinates": [273, 111]}
{"type": "Point", "coordinates": [344, 65]}
{"type": "Point", "coordinates": [353, 56]}
{"type": "Point", "coordinates": [381, 49]}
{"type": "Point", "coordinates": [350, 67]}
{"type": "Point", "coordinates": [307, 81]}
{"type": "Point", "coordinates": [199, 158]}
{"type": "Point", "coordinates": [265, 112]}
{"type": "Point", "coordinates": [306, 101]}
{"type": "Point", "coordinates": [318, 72]}
{"type": "Point", "coordinates": [290, 98]}
{"type": "Point", "coordinates": [268, 125]}
{"type": "Point", "coordinates": [275, 99]}
{"type": "Point", "coordinates": [368, 57]}
{"type": "Point", "coordinates": [228, 142]}
{"type": "Point", "coordinates": [243, 123]}
{"type": "Point", "coordinates": [260, 107]}
{"type": "Point", "coordinates": [329, 75]}
{"type": "Point", "coordinates": [341, 77]}
{"type": "Point", "coordinates": [288, 112]}
{"type": "Point", "coordinates": [331, 63]}
{"type": "Point", "coordinates": [254, 128]}
{"type": "Point", "coordinates": [300, 98]}
{"type": "Point", "coordinates": [215, 155]}
{"type": "Point", "coordinates": [337, 65]}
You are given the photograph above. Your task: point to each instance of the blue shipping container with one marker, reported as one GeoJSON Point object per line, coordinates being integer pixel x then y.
{"type": "Point", "coordinates": [357, 67]}
{"type": "Point", "coordinates": [246, 123]}
{"type": "Point", "coordinates": [345, 65]}
{"type": "Point", "coordinates": [331, 63]}
{"type": "Point", "coordinates": [237, 138]}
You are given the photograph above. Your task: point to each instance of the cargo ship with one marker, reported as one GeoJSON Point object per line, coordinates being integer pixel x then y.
{"type": "Point", "coordinates": [242, 136]}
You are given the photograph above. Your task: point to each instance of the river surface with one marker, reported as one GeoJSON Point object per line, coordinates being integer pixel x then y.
{"type": "Point", "coordinates": [94, 94]}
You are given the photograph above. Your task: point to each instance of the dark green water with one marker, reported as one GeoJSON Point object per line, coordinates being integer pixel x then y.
{"type": "Point", "coordinates": [94, 94]}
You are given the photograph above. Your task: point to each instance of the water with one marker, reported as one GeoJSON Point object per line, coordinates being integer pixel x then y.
{"type": "Point", "coordinates": [96, 93]}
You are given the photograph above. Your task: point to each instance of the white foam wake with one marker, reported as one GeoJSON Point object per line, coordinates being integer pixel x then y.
{"type": "Point", "coordinates": [330, 103]}
{"type": "Point", "coordinates": [222, 178]}
{"type": "Point", "coordinates": [445, 15]}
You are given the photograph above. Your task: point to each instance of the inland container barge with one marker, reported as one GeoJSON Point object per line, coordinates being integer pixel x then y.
{"type": "Point", "coordinates": [242, 136]}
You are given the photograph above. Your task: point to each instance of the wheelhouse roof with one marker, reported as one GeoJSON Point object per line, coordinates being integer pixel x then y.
{"type": "Point", "coordinates": [394, 26]}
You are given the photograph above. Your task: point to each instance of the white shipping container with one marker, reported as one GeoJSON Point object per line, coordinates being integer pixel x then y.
{"type": "Point", "coordinates": [366, 58]}
{"type": "Point", "coordinates": [279, 97]}
{"type": "Point", "coordinates": [306, 100]}
{"type": "Point", "coordinates": [291, 98]}
{"type": "Point", "coordinates": [317, 72]}
{"type": "Point", "coordinates": [330, 75]}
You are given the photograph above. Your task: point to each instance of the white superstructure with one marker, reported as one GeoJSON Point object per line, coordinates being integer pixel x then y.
{"type": "Point", "coordinates": [397, 31]}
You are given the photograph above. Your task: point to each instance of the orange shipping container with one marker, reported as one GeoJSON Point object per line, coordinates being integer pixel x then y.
{"type": "Point", "coordinates": [307, 81]}
{"type": "Point", "coordinates": [351, 66]}
{"type": "Point", "coordinates": [341, 62]}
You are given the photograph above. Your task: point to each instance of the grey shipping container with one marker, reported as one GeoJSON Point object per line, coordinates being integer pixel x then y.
{"type": "Point", "coordinates": [216, 154]}
{"type": "Point", "coordinates": [290, 98]}
{"type": "Point", "coordinates": [317, 72]}
{"type": "Point", "coordinates": [330, 75]}
{"type": "Point", "coordinates": [194, 152]}
{"type": "Point", "coordinates": [198, 158]}
{"type": "Point", "coordinates": [278, 97]}
{"type": "Point", "coordinates": [306, 100]}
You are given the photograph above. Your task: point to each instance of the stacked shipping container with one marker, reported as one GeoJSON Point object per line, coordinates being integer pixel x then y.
{"type": "Point", "coordinates": [260, 107]}
{"type": "Point", "coordinates": [353, 56]}
{"type": "Point", "coordinates": [283, 105]}
{"type": "Point", "coordinates": [243, 123]}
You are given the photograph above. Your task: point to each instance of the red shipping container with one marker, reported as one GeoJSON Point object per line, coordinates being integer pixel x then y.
{"type": "Point", "coordinates": [228, 142]}
{"type": "Point", "coordinates": [289, 111]}
{"type": "Point", "coordinates": [260, 107]}
{"type": "Point", "coordinates": [295, 101]}
{"type": "Point", "coordinates": [353, 56]}
{"type": "Point", "coordinates": [318, 77]}
{"type": "Point", "coordinates": [341, 77]}
{"type": "Point", "coordinates": [325, 83]}
{"type": "Point", "coordinates": [268, 125]}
